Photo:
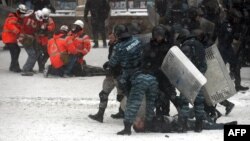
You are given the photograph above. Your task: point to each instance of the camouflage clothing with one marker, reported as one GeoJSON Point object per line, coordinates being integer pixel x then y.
{"type": "Point", "coordinates": [142, 84]}
{"type": "Point", "coordinates": [195, 51]}
{"type": "Point", "coordinates": [127, 54]}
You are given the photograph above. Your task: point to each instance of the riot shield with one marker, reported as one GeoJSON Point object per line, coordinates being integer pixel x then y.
{"type": "Point", "coordinates": [207, 26]}
{"type": "Point", "coordinates": [219, 86]}
{"type": "Point", "coordinates": [183, 74]}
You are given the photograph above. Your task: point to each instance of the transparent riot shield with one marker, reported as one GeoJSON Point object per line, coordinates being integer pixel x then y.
{"type": "Point", "coordinates": [183, 74]}
{"type": "Point", "coordinates": [219, 86]}
{"type": "Point", "coordinates": [207, 26]}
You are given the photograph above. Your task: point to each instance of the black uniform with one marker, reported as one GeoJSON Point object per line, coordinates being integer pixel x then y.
{"type": "Point", "coordinates": [195, 51]}
{"type": "Point", "coordinates": [99, 10]}
{"type": "Point", "coordinates": [40, 4]}
{"type": "Point", "coordinates": [225, 39]}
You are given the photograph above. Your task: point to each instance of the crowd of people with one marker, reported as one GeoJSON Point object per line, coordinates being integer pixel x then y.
{"type": "Point", "coordinates": [139, 65]}
{"type": "Point", "coordinates": [134, 65]}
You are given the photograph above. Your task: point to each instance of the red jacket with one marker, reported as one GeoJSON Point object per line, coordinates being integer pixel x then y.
{"type": "Point", "coordinates": [30, 25]}
{"type": "Point", "coordinates": [83, 44]}
{"type": "Point", "coordinates": [11, 28]}
{"type": "Point", "coordinates": [49, 27]}
{"type": "Point", "coordinates": [57, 46]}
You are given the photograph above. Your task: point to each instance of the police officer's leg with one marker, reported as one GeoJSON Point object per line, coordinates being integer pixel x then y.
{"type": "Point", "coordinates": [229, 106]}
{"type": "Point", "coordinates": [199, 111]}
{"type": "Point", "coordinates": [183, 114]}
{"type": "Point", "coordinates": [120, 98]}
{"type": "Point", "coordinates": [169, 94]}
{"type": "Point", "coordinates": [235, 67]}
{"type": "Point", "coordinates": [134, 101]}
{"type": "Point", "coordinates": [108, 86]}
{"type": "Point", "coordinates": [151, 95]}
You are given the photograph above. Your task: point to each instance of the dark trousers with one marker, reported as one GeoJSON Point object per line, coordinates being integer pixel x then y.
{"type": "Point", "coordinates": [14, 53]}
{"type": "Point", "coordinates": [230, 57]}
{"type": "Point", "coordinates": [98, 27]}
{"type": "Point", "coordinates": [166, 95]}
{"type": "Point", "coordinates": [42, 56]}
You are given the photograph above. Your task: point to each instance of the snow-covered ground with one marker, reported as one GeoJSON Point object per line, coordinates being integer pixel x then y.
{"type": "Point", "coordinates": [56, 109]}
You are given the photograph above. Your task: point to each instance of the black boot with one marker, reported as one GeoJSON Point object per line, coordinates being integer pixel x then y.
{"type": "Point", "coordinates": [183, 127]}
{"type": "Point", "coordinates": [231, 123]}
{"type": "Point", "coordinates": [229, 106]}
{"type": "Point", "coordinates": [98, 116]}
{"type": "Point", "coordinates": [198, 125]}
{"type": "Point", "coordinates": [118, 115]}
{"type": "Point", "coordinates": [126, 130]}
{"type": "Point", "coordinates": [241, 88]}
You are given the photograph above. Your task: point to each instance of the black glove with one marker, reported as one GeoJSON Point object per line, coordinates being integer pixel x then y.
{"type": "Point", "coordinates": [105, 65]}
{"type": "Point", "coordinates": [119, 97]}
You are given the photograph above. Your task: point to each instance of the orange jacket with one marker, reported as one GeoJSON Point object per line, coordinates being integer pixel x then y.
{"type": "Point", "coordinates": [81, 41]}
{"type": "Point", "coordinates": [83, 44]}
{"type": "Point", "coordinates": [43, 37]}
{"type": "Point", "coordinates": [57, 46]}
{"type": "Point", "coordinates": [11, 28]}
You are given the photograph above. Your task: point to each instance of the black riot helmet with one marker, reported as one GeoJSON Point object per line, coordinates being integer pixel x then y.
{"type": "Point", "coordinates": [121, 31]}
{"type": "Point", "coordinates": [234, 16]}
{"type": "Point", "coordinates": [183, 35]}
{"type": "Point", "coordinates": [193, 13]}
{"type": "Point", "coordinates": [160, 31]}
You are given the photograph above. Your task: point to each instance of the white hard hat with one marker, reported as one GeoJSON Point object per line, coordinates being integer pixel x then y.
{"type": "Point", "coordinates": [46, 12]}
{"type": "Point", "coordinates": [64, 28]}
{"type": "Point", "coordinates": [39, 15]}
{"type": "Point", "coordinates": [79, 22]}
{"type": "Point", "coordinates": [22, 8]}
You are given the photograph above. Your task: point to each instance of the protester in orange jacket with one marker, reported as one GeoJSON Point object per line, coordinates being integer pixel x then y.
{"type": "Point", "coordinates": [30, 27]}
{"type": "Point", "coordinates": [81, 46]}
{"type": "Point", "coordinates": [10, 35]}
{"type": "Point", "coordinates": [58, 52]}
{"type": "Point", "coordinates": [47, 27]}
{"type": "Point", "coordinates": [82, 43]}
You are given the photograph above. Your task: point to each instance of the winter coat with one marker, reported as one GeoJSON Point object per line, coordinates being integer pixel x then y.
{"type": "Point", "coordinates": [31, 25]}
{"type": "Point", "coordinates": [99, 9]}
{"type": "Point", "coordinates": [126, 53]}
{"type": "Point", "coordinates": [153, 54]}
{"type": "Point", "coordinates": [195, 51]}
{"type": "Point", "coordinates": [11, 28]}
{"type": "Point", "coordinates": [43, 35]}
{"type": "Point", "coordinates": [83, 46]}
{"type": "Point", "coordinates": [58, 46]}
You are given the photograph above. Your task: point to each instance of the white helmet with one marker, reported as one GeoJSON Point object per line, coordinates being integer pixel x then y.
{"type": "Point", "coordinates": [39, 15]}
{"type": "Point", "coordinates": [22, 8]}
{"type": "Point", "coordinates": [79, 22]}
{"type": "Point", "coordinates": [46, 13]}
{"type": "Point", "coordinates": [64, 28]}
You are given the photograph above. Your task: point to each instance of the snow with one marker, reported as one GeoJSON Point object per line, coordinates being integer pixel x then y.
{"type": "Point", "coordinates": [56, 109]}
